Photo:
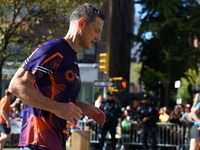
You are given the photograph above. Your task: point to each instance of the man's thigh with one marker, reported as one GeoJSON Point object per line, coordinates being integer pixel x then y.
{"type": "Point", "coordinates": [194, 144]}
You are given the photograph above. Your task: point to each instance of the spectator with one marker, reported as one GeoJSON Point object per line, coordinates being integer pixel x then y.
{"type": "Point", "coordinates": [4, 118]}
{"type": "Point", "coordinates": [113, 112]}
{"type": "Point", "coordinates": [126, 115]}
{"type": "Point", "coordinates": [187, 122]}
{"type": "Point", "coordinates": [164, 115]}
{"type": "Point", "coordinates": [181, 108]}
{"type": "Point", "coordinates": [14, 113]}
{"type": "Point", "coordinates": [175, 115]}
{"type": "Point", "coordinates": [164, 133]}
{"type": "Point", "coordinates": [131, 111]}
{"type": "Point", "coordinates": [126, 122]}
{"type": "Point", "coordinates": [99, 100]}
{"type": "Point", "coordinates": [147, 116]}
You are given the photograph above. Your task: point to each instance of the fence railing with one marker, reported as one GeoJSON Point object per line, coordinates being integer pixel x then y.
{"type": "Point", "coordinates": [168, 135]}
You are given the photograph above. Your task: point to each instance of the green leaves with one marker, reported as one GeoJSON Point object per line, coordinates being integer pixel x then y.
{"type": "Point", "coordinates": [26, 23]}
{"type": "Point", "coordinates": [170, 51]}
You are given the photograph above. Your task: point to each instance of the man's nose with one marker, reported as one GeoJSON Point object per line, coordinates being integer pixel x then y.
{"type": "Point", "coordinates": [98, 38]}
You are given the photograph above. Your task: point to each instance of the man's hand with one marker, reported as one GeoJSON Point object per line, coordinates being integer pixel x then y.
{"type": "Point", "coordinates": [67, 111]}
{"type": "Point", "coordinates": [136, 126]}
{"type": "Point", "coordinates": [145, 119]}
{"type": "Point", "coordinates": [8, 124]}
{"type": "Point", "coordinates": [92, 112]}
{"type": "Point", "coordinates": [97, 115]}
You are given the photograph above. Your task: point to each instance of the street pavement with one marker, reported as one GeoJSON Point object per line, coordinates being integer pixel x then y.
{"type": "Point", "coordinates": [19, 148]}
{"type": "Point", "coordinates": [11, 148]}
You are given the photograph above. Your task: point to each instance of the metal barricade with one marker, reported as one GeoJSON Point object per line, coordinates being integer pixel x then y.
{"type": "Point", "coordinates": [168, 135]}
{"type": "Point", "coordinates": [91, 126]}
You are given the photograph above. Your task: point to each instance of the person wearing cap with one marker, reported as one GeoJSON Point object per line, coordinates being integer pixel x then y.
{"type": "Point", "coordinates": [113, 112]}
{"type": "Point", "coordinates": [147, 116]}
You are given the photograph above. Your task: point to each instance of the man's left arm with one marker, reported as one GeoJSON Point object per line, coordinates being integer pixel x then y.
{"type": "Point", "coordinates": [154, 116]}
{"type": "Point", "coordinates": [6, 118]}
{"type": "Point", "coordinates": [119, 111]}
{"type": "Point", "coordinates": [92, 112]}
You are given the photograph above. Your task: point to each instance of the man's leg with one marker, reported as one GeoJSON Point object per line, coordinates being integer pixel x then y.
{"type": "Point", "coordinates": [4, 137]}
{"type": "Point", "coordinates": [104, 130]}
{"type": "Point", "coordinates": [112, 130]}
{"type": "Point", "coordinates": [193, 144]}
{"type": "Point", "coordinates": [144, 135]}
{"type": "Point", "coordinates": [152, 136]}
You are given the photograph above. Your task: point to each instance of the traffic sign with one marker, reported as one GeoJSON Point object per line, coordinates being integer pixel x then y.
{"type": "Point", "coordinates": [103, 83]}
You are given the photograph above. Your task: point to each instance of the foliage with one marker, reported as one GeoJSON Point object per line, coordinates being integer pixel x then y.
{"type": "Point", "coordinates": [185, 96]}
{"type": "Point", "coordinates": [135, 71]}
{"type": "Point", "coordinates": [170, 51]}
{"type": "Point", "coordinates": [25, 23]}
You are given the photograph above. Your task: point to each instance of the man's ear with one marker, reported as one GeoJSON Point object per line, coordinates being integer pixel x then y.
{"type": "Point", "coordinates": [81, 22]}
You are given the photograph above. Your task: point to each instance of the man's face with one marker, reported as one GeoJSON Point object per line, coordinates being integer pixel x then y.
{"type": "Point", "coordinates": [146, 101]}
{"type": "Point", "coordinates": [90, 34]}
{"type": "Point", "coordinates": [110, 97]}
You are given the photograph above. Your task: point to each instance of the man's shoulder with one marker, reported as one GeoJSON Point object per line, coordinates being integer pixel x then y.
{"type": "Point", "coordinates": [3, 99]}
{"type": "Point", "coordinates": [54, 43]}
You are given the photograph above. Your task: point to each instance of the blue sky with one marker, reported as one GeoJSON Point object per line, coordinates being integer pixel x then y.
{"type": "Point", "coordinates": [137, 9]}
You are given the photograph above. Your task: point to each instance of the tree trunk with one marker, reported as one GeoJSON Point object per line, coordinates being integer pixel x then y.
{"type": "Point", "coordinates": [120, 27]}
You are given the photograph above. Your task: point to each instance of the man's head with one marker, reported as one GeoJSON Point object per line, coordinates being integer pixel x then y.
{"type": "Point", "coordinates": [146, 99]}
{"type": "Point", "coordinates": [110, 95]}
{"type": "Point", "coordinates": [86, 24]}
{"type": "Point", "coordinates": [88, 12]}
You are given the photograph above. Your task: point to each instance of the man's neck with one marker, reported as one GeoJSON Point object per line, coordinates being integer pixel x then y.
{"type": "Point", "coordinates": [73, 43]}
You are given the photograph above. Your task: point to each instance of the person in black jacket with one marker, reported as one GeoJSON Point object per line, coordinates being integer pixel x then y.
{"type": "Point", "coordinates": [113, 112]}
{"type": "Point", "coordinates": [147, 115]}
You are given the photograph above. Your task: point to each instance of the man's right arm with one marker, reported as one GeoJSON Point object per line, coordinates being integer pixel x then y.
{"type": "Point", "coordinates": [22, 87]}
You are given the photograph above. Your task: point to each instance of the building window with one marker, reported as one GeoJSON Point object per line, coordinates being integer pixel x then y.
{"type": "Point", "coordinates": [87, 56]}
{"type": "Point", "coordinates": [86, 93]}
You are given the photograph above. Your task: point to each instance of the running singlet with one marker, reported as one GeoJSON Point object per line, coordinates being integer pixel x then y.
{"type": "Point", "coordinates": [54, 65]}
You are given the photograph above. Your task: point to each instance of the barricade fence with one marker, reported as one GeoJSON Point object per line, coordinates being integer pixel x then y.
{"type": "Point", "coordinates": [168, 135]}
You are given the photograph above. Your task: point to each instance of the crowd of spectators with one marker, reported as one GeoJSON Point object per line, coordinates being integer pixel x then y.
{"type": "Point", "coordinates": [17, 109]}
{"type": "Point", "coordinates": [178, 115]}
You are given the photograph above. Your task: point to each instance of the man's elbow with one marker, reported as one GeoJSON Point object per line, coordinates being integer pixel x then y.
{"type": "Point", "coordinates": [12, 87]}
